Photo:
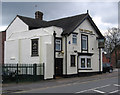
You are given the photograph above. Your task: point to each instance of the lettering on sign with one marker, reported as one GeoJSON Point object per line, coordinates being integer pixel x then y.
{"type": "Point", "coordinates": [85, 30]}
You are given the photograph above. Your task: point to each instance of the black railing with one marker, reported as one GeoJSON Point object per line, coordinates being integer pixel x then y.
{"type": "Point", "coordinates": [20, 72]}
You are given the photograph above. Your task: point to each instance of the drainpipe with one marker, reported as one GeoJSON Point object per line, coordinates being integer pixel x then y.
{"type": "Point", "coordinates": [66, 55]}
{"type": "Point", "coordinates": [19, 51]}
{"type": "Point", "coordinates": [54, 34]}
{"type": "Point", "coordinates": [99, 59]}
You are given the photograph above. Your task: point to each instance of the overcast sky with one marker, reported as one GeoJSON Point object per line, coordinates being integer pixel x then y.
{"type": "Point", "coordinates": [104, 14]}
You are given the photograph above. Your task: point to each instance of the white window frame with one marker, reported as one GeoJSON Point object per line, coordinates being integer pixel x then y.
{"type": "Point", "coordinates": [84, 38]}
{"type": "Point", "coordinates": [74, 36]}
{"type": "Point", "coordinates": [56, 42]}
{"type": "Point", "coordinates": [86, 57]}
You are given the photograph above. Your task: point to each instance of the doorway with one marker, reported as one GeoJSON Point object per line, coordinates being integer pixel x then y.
{"type": "Point", "coordinates": [58, 67]}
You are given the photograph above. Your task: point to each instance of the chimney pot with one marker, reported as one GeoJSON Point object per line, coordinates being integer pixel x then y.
{"type": "Point", "coordinates": [38, 15]}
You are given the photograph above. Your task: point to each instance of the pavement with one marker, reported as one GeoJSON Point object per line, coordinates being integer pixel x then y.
{"type": "Point", "coordinates": [99, 83]}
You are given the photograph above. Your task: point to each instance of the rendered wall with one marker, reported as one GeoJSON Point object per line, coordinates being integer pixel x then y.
{"type": "Point", "coordinates": [92, 48]}
{"type": "Point", "coordinates": [16, 26]}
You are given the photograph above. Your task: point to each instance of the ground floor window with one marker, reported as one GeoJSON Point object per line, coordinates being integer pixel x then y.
{"type": "Point", "coordinates": [34, 47]}
{"type": "Point", "coordinates": [88, 63]}
{"type": "Point", "coordinates": [84, 62]}
{"type": "Point", "coordinates": [72, 60]}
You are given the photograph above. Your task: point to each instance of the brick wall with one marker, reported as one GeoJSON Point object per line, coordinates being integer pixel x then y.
{"type": "Point", "coordinates": [105, 59]}
{"type": "Point", "coordinates": [113, 56]}
{"type": "Point", "coordinates": [2, 39]}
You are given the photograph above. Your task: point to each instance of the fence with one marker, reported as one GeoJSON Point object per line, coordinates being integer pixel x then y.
{"type": "Point", "coordinates": [20, 72]}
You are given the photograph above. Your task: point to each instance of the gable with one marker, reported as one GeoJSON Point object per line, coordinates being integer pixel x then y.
{"type": "Point", "coordinates": [17, 25]}
{"type": "Point", "coordinates": [86, 25]}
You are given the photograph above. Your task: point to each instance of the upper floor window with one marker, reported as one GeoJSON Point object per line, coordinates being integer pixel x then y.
{"type": "Point", "coordinates": [74, 38]}
{"type": "Point", "coordinates": [34, 43]}
{"type": "Point", "coordinates": [58, 44]}
{"type": "Point", "coordinates": [84, 42]}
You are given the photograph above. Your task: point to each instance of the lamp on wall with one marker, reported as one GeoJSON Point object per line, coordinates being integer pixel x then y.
{"type": "Point", "coordinates": [75, 51]}
{"type": "Point", "coordinates": [62, 52]}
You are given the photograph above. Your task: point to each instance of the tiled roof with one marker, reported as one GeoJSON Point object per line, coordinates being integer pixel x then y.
{"type": "Point", "coordinates": [68, 24]}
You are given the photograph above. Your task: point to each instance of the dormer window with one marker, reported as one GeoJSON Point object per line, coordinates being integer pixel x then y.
{"type": "Point", "coordinates": [74, 38]}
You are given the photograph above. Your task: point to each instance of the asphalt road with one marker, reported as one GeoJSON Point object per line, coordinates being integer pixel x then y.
{"type": "Point", "coordinates": [103, 83]}
{"type": "Point", "coordinates": [109, 85]}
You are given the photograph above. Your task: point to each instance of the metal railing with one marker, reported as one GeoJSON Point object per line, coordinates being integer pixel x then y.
{"type": "Point", "coordinates": [18, 72]}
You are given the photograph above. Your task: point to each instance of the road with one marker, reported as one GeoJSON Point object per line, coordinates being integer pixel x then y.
{"type": "Point", "coordinates": [103, 83]}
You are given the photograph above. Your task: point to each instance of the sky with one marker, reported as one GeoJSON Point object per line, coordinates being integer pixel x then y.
{"type": "Point", "coordinates": [104, 14]}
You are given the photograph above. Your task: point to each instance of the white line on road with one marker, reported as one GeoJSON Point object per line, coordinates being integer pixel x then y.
{"type": "Point", "coordinates": [93, 88]}
{"type": "Point", "coordinates": [98, 91]}
{"type": "Point", "coordinates": [115, 91]}
{"type": "Point", "coordinates": [63, 85]}
{"type": "Point", "coordinates": [116, 85]}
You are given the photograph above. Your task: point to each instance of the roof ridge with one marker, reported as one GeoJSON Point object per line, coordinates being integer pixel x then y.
{"type": "Point", "coordinates": [68, 17]}
{"type": "Point", "coordinates": [29, 18]}
{"type": "Point", "coordinates": [25, 17]}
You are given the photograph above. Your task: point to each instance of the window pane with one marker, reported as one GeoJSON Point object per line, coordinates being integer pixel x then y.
{"type": "Point", "coordinates": [58, 45]}
{"type": "Point", "coordinates": [82, 62]}
{"type": "Point", "coordinates": [89, 62]}
{"type": "Point", "coordinates": [84, 42]}
{"type": "Point", "coordinates": [74, 38]}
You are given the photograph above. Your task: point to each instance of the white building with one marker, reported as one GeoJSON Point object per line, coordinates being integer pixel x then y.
{"type": "Point", "coordinates": [67, 46]}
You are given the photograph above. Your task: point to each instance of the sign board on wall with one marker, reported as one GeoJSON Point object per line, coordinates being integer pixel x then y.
{"type": "Point", "coordinates": [101, 43]}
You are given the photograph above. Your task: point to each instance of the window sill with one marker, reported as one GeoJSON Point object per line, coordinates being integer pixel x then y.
{"type": "Point", "coordinates": [85, 69]}
{"type": "Point", "coordinates": [84, 49]}
{"type": "Point", "coordinates": [72, 66]}
{"type": "Point", "coordinates": [58, 51]}
{"type": "Point", "coordinates": [74, 43]}
{"type": "Point", "coordinates": [34, 55]}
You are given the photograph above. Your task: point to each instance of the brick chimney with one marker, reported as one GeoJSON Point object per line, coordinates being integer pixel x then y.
{"type": "Point", "coordinates": [38, 15]}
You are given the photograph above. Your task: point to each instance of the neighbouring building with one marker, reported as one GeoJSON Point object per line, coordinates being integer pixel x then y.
{"type": "Point", "coordinates": [106, 58]}
{"type": "Point", "coordinates": [67, 46]}
{"type": "Point", "coordinates": [2, 39]}
{"type": "Point", "coordinates": [113, 56]}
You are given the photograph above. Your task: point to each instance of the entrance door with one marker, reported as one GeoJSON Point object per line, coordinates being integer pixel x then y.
{"type": "Point", "coordinates": [58, 66]}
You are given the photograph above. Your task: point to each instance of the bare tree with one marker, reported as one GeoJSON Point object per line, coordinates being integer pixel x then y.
{"type": "Point", "coordinates": [112, 41]}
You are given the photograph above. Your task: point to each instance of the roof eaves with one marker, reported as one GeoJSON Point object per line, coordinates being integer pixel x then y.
{"type": "Point", "coordinates": [75, 26]}
{"type": "Point", "coordinates": [10, 23]}
{"type": "Point", "coordinates": [96, 28]}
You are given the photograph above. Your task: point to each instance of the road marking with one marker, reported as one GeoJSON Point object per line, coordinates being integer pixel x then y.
{"type": "Point", "coordinates": [98, 91]}
{"type": "Point", "coordinates": [61, 85]}
{"type": "Point", "coordinates": [115, 91]}
{"type": "Point", "coordinates": [116, 85]}
{"type": "Point", "coordinates": [93, 88]}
